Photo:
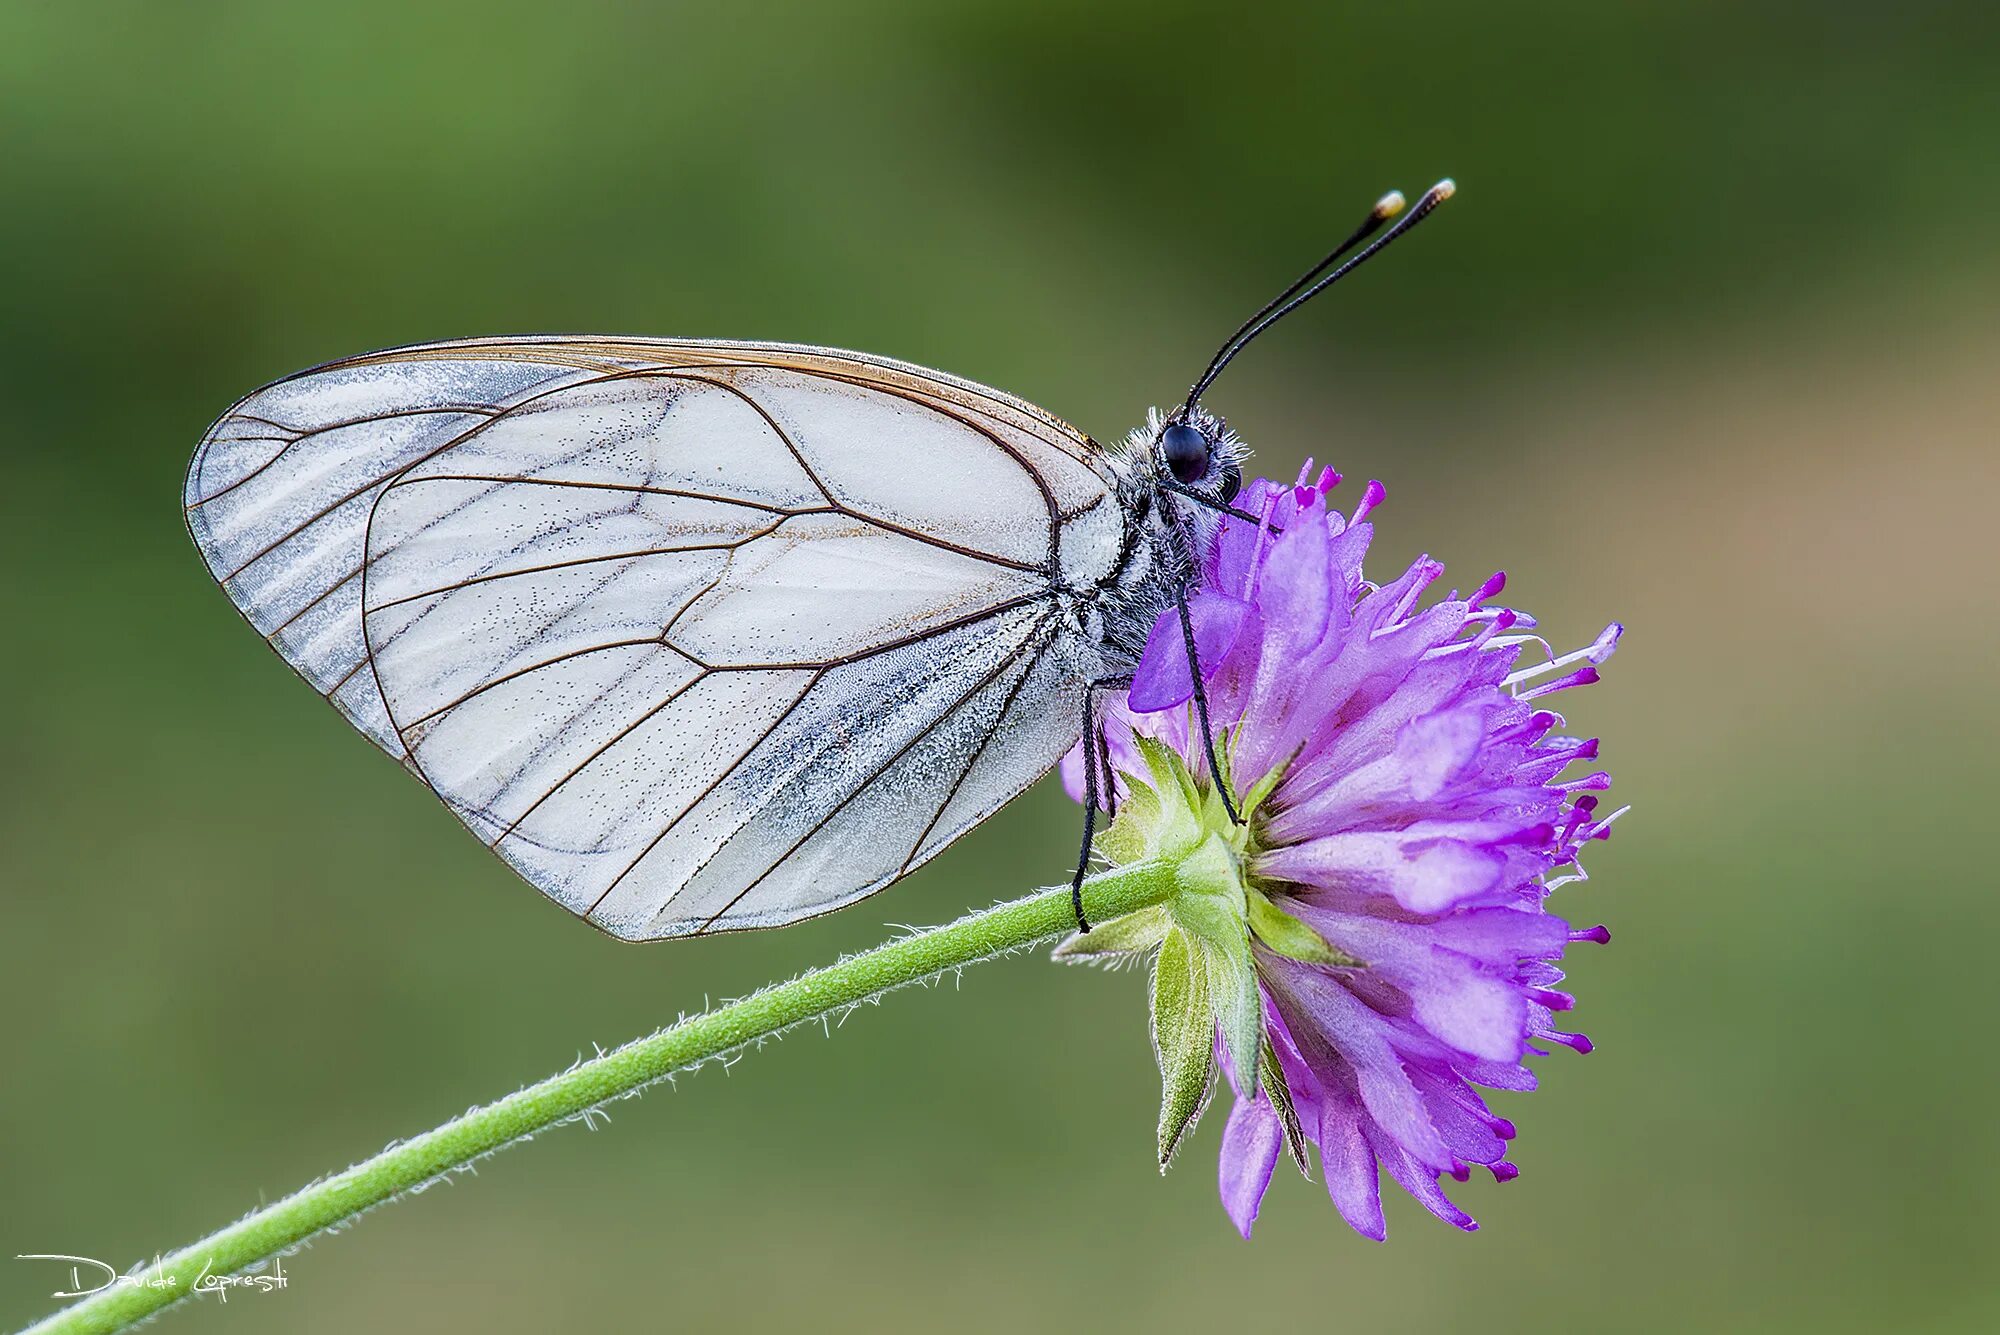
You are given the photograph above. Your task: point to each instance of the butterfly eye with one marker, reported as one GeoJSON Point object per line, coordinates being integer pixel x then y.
{"type": "Point", "coordinates": [1185, 452]}
{"type": "Point", "coordinates": [1232, 482]}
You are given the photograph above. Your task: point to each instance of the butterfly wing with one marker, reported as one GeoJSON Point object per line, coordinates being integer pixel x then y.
{"type": "Point", "coordinates": [696, 636]}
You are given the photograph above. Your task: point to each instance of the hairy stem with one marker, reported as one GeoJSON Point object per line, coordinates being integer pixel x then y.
{"type": "Point", "coordinates": [334, 1200]}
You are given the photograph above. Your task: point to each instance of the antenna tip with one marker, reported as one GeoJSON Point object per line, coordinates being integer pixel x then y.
{"type": "Point", "coordinates": [1389, 206]}
{"type": "Point", "coordinates": [1444, 189]}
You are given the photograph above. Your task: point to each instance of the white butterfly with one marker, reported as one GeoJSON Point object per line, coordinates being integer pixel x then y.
{"type": "Point", "coordinates": [701, 636]}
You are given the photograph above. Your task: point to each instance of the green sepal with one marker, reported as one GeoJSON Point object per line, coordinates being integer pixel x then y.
{"type": "Point", "coordinates": [1210, 907]}
{"type": "Point", "coordinates": [1129, 837]}
{"type": "Point", "coordinates": [1180, 826]}
{"type": "Point", "coordinates": [1183, 1038]}
{"type": "Point", "coordinates": [1282, 934]}
{"type": "Point", "coordinates": [1261, 791]}
{"type": "Point", "coordinates": [1271, 1076]}
{"type": "Point", "coordinates": [1168, 770]}
{"type": "Point", "coordinates": [1239, 1008]}
{"type": "Point", "coordinates": [1134, 934]}
{"type": "Point", "coordinates": [1214, 814]}
{"type": "Point", "coordinates": [1157, 818]}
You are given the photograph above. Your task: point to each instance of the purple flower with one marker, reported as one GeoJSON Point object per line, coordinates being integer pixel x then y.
{"type": "Point", "coordinates": [1414, 814]}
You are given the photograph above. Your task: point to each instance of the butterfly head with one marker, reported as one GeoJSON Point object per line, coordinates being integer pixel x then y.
{"type": "Point", "coordinates": [1196, 450]}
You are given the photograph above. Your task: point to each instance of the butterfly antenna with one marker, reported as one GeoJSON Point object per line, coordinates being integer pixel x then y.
{"type": "Point", "coordinates": [1385, 208]}
{"type": "Point", "coordinates": [1316, 279]}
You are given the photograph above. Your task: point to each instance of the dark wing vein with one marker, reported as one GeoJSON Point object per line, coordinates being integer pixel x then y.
{"type": "Point", "coordinates": [584, 764]}
{"type": "Point", "coordinates": [972, 763]}
{"type": "Point", "coordinates": [531, 668]}
{"type": "Point", "coordinates": [525, 643]}
{"type": "Point", "coordinates": [294, 436]}
{"type": "Point", "coordinates": [634, 487]}
{"type": "Point", "coordinates": [841, 660]}
{"type": "Point", "coordinates": [721, 777]}
{"type": "Point", "coordinates": [835, 503]}
{"type": "Point", "coordinates": [390, 480]}
{"type": "Point", "coordinates": [495, 575]}
{"type": "Point", "coordinates": [878, 771]}
{"type": "Point", "coordinates": [1034, 474]}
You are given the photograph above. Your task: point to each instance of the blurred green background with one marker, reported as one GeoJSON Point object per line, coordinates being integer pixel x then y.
{"type": "Point", "coordinates": [1706, 343]}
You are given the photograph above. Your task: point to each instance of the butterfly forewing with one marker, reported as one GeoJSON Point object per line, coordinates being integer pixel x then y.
{"type": "Point", "coordinates": [696, 636]}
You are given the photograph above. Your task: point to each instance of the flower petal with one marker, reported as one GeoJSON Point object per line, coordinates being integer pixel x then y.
{"type": "Point", "coordinates": [1250, 1144]}
{"type": "Point", "coordinates": [1437, 748]}
{"type": "Point", "coordinates": [1473, 1012]}
{"type": "Point", "coordinates": [1163, 680]}
{"type": "Point", "coordinates": [1424, 875]}
{"type": "Point", "coordinates": [1474, 1004]}
{"type": "Point", "coordinates": [1324, 1015]}
{"type": "Point", "coordinates": [1419, 1181]}
{"type": "Point", "coordinates": [1352, 1179]}
{"type": "Point", "coordinates": [1296, 588]}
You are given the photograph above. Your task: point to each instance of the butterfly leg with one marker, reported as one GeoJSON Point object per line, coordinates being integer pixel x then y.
{"type": "Point", "coordinates": [1201, 705]}
{"type": "Point", "coordinates": [1096, 752]}
{"type": "Point", "coordinates": [1104, 768]}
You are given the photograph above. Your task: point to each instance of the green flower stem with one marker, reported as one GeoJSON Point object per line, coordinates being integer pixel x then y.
{"type": "Point", "coordinates": [337, 1199]}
